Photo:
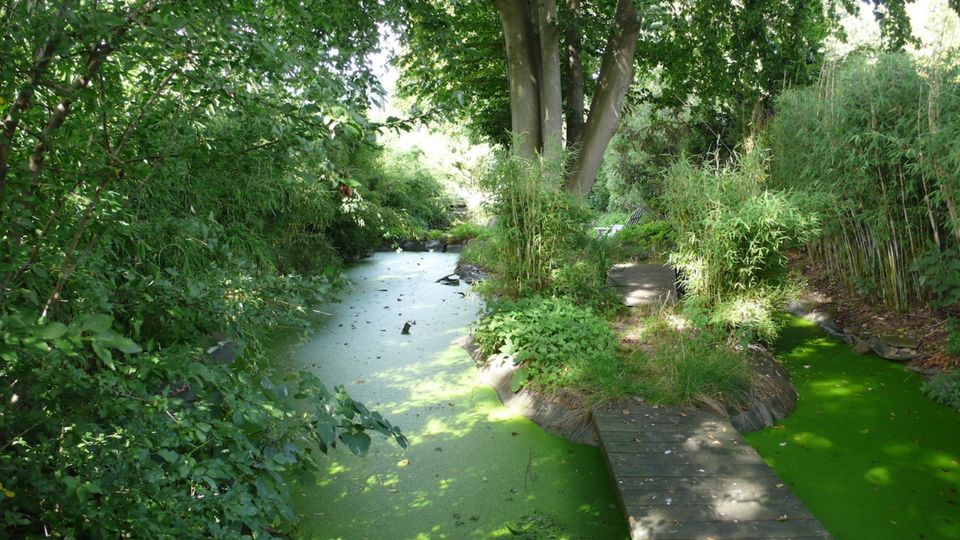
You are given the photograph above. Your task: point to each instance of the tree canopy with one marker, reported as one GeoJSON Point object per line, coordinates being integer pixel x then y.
{"type": "Point", "coordinates": [730, 58]}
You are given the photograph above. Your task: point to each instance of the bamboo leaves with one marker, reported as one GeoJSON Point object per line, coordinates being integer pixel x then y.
{"type": "Point", "coordinates": [878, 138]}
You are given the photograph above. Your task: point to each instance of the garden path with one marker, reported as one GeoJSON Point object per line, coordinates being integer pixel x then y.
{"type": "Point", "coordinates": [643, 284]}
{"type": "Point", "coordinates": [685, 473]}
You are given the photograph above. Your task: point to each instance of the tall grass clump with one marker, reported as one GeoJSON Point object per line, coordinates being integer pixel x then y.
{"type": "Point", "coordinates": [688, 367]}
{"type": "Point", "coordinates": [539, 242]}
{"type": "Point", "coordinates": [733, 235]}
{"type": "Point", "coordinates": [875, 140]}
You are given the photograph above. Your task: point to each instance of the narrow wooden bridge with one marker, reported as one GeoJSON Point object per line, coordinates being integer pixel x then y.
{"type": "Point", "coordinates": [685, 474]}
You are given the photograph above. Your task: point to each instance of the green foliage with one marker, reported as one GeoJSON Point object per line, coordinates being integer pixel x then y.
{"type": "Point", "coordinates": [108, 442]}
{"type": "Point", "coordinates": [169, 189]}
{"type": "Point", "coordinates": [735, 57]}
{"type": "Point", "coordinates": [873, 146]}
{"type": "Point", "coordinates": [536, 226]}
{"type": "Point", "coordinates": [644, 240]}
{"type": "Point", "coordinates": [463, 232]}
{"type": "Point", "coordinates": [733, 237]}
{"type": "Point", "coordinates": [940, 272]}
{"type": "Point", "coordinates": [649, 140]}
{"type": "Point", "coordinates": [559, 344]}
{"type": "Point", "coordinates": [726, 57]}
{"type": "Point", "coordinates": [945, 388]}
{"type": "Point", "coordinates": [406, 197]}
{"type": "Point", "coordinates": [686, 367]}
{"type": "Point", "coordinates": [953, 337]}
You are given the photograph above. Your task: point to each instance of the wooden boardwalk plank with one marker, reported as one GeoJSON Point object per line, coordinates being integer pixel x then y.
{"type": "Point", "coordinates": [684, 473]}
{"type": "Point", "coordinates": [643, 284]}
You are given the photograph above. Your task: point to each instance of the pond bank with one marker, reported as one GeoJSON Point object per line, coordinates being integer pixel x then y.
{"type": "Point", "coordinates": [474, 469]}
{"type": "Point", "coordinates": [865, 450]}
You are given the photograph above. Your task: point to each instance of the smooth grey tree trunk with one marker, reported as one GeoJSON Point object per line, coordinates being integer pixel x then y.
{"type": "Point", "coordinates": [523, 76]}
{"type": "Point", "coordinates": [616, 75]}
{"type": "Point", "coordinates": [573, 42]}
{"type": "Point", "coordinates": [551, 97]}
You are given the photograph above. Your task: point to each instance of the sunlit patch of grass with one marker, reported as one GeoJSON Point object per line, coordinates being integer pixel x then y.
{"type": "Point", "coordinates": [665, 360]}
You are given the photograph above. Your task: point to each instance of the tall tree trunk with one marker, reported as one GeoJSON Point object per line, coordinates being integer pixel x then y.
{"type": "Point", "coordinates": [523, 75]}
{"type": "Point", "coordinates": [551, 98]}
{"type": "Point", "coordinates": [616, 75]}
{"type": "Point", "coordinates": [24, 97]}
{"type": "Point", "coordinates": [573, 43]}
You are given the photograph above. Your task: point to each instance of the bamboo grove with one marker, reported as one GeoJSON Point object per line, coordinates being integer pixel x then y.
{"type": "Point", "coordinates": [873, 145]}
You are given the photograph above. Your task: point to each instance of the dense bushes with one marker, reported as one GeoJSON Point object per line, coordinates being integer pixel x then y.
{"type": "Point", "coordinates": [647, 239]}
{"type": "Point", "coordinates": [557, 343]}
{"type": "Point", "coordinates": [733, 237]}
{"type": "Point", "coordinates": [164, 204]}
{"type": "Point", "coordinates": [407, 198]}
{"type": "Point", "coordinates": [649, 140]}
{"type": "Point", "coordinates": [539, 243]}
{"type": "Point", "coordinates": [875, 143]}
{"type": "Point", "coordinates": [945, 388]}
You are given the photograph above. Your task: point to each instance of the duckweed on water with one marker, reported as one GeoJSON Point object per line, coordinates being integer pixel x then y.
{"type": "Point", "coordinates": [865, 450]}
{"type": "Point", "coordinates": [473, 469]}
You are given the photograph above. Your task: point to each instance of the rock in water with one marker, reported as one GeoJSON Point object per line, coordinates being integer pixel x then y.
{"type": "Point", "coordinates": [861, 347]}
{"type": "Point", "coordinates": [451, 279]}
{"type": "Point", "coordinates": [470, 274]}
{"type": "Point", "coordinates": [406, 327]}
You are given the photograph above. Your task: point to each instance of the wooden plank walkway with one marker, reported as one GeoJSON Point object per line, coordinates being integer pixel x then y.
{"type": "Point", "coordinates": [641, 284]}
{"type": "Point", "coordinates": [685, 473]}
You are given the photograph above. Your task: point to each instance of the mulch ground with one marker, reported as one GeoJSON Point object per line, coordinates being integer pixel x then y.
{"type": "Point", "coordinates": [864, 316]}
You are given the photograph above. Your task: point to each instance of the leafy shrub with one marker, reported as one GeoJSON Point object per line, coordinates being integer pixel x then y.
{"type": "Point", "coordinates": [940, 273]}
{"type": "Point", "coordinates": [953, 337]}
{"type": "Point", "coordinates": [404, 199]}
{"type": "Point", "coordinates": [733, 234]}
{"type": "Point", "coordinates": [645, 239]}
{"type": "Point", "coordinates": [649, 139]}
{"type": "Point", "coordinates": [945, 388]}
{"type": "Point", "coordinates": [751, 316]}
{"type": "Point", "coordinates": [558, 343]}
{"type": "Point", "coordinates": [733, 239]}
{"type": "Point", "coordinates": [208, 211]}
{"type": "Point", "coordinates": [462, 232]}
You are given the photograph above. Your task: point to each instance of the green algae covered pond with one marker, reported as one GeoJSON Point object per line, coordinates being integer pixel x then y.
{"type": "Point", "coordinates": [473, 468]}
{"type": "Point", "coordinates": [867, 453]}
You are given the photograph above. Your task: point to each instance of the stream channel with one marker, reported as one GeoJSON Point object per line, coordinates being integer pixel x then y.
{"type": "Point", "coordinates": [473, 469]}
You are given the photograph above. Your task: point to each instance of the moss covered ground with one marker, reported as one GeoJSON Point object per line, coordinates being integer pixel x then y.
{"type": "Point", "coordinates": [865, 450]}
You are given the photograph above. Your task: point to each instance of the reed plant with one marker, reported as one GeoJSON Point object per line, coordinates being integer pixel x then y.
{"type": "Point", "coordinates": [875, 144]}
{"type": "Point", "coordinates": [733, 236]}
{"type": "Point", "coordinates": [537, 229]}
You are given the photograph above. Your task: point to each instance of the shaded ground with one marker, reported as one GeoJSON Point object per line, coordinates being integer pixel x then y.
{"type": "Point", "coordinates": [854, 311]}
{"type": "Point", "coordinates": [867, 453]}
{"type": "Point", "coordinates": [474, 469]}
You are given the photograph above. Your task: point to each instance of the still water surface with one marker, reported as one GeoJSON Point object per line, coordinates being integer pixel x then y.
{"type": "Point", "coordinates": [473, 469]}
